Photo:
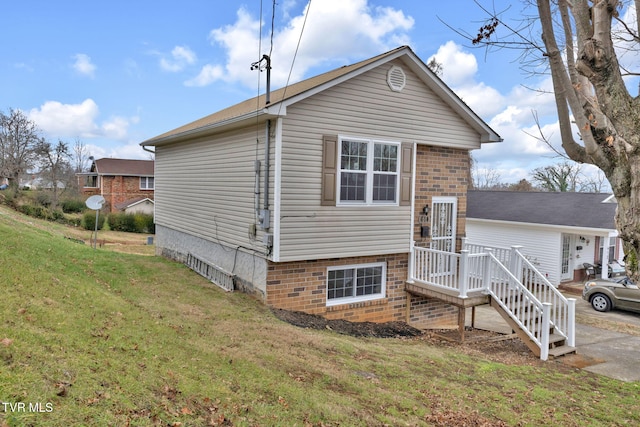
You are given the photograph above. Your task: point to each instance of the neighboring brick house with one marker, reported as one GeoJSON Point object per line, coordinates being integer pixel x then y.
{"type": "Point", "coordinates": [315, 198]}
{"type": "Point", "coordinates": [122, 182]}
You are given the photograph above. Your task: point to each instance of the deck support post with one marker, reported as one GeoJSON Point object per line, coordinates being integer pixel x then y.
{"type": "Point", "coordinates": [461, 321]}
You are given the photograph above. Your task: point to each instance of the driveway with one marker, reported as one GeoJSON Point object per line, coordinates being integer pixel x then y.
{"type": "Point", "coordinates": [617, 350]}
{"type": "Point", "coordinates": [612, 354]}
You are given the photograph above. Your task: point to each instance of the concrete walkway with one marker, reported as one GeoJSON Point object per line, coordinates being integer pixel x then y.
{"type": "Point", "coordinates": [612, 354]}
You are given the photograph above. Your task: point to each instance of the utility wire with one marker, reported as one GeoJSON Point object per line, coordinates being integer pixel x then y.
{"type": "Point", "coordinates": [295, 54]}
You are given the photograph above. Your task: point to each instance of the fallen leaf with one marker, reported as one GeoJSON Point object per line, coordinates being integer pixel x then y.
{"type": "Point", "coordinates": [186, 411]}
{"type": "Point", "coordinates": [6, 342]}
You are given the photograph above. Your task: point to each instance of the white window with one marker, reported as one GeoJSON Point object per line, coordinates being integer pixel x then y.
{"type": "Point", "coordinates": [368, 172]}
{"type": "Point", "coordinates": [355, 283]}
{"type": "Point", "coordinates": [146, 183]}
{"type": "Point", "coordinates": [91, 181]}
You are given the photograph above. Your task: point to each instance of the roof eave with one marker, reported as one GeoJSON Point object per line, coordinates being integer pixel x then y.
{"type": "Point", "coordinates": [230, 123]}
{"type": "Point", "coordinates": [574, 228]}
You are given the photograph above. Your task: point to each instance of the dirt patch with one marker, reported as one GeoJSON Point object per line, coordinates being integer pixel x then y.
{"type": "Point", "coordinates": [491, 345]}
{"type": "Point", "coordinates": [580, 361]}
{"type": "Point", "coordinates": [356, 329]}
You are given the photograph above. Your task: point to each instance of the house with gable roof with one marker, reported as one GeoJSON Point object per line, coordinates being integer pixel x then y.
{"type": "Point", "coordinates": [126, 184]}
{"type": "Point", "coordinates": [559, 232]}
{"type": "Point", "coordinates": [314, 196]}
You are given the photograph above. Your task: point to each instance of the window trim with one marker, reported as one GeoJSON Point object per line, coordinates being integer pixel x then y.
{"type": "Point", "coordinates": [355, 299]}
{"type": "Point", "coordinates": [92, 177]}
{"type": "Point", "coordinates": [146, 180]}
{"type": "Point", "coordinates": [368, 200]}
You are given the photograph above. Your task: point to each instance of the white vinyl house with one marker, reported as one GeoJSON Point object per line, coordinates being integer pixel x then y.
{"type": "Point", "coordinates": [559, 231]}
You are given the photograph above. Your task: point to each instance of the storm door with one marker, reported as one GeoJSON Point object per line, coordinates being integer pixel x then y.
{"type": "Point", "coordinates": [565, 266]}
{"type": "Point", "coordinates": [443, 237]}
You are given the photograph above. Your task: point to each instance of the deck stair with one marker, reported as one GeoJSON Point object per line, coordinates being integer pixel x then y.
{"type": "Point", "coordinates": [557, 342]}
{"type": "Point", "coordinates": [534, 309]}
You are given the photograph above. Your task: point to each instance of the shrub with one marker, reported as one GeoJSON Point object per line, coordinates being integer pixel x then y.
{"type": "Point", "coordinates": [58, 216]}
{"type": "Point", "coordinates": [73, 206]}
{"type": "Point", "coordinates": [26, 209]}
{"type": "Point", "coordinates": [144, 223]}
{"type": "Point", "coordinates": [74, 221]}
{"type": "Point", "coordinates": [41, 212]}
{"type": "Point", "coordinates": [43, 199]}
{"type": "Point", "coordinates": [89, 221]}
{"type": "Point", "coordinates": [131, 223]}
{"type": "Point", "coordinates": [122, 222]}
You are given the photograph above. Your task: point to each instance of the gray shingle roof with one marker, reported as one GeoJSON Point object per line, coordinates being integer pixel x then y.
{"type": "Point", "coordinates": [566, 209]}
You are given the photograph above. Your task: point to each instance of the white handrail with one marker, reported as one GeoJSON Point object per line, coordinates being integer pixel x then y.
{"type": "Point", "coordinates": [523, 307]}
{"type": "Point", "coordinates": [538, 305]}
{"type": "Point", "coordinates": [562, 314]}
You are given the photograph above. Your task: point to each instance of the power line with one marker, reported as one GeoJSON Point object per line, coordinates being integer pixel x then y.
{"type": "Point", "coordinates": [295, 54]}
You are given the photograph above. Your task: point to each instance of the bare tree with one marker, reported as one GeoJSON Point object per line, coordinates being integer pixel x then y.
{"type": "Point", "coordinates": [485, 178]}
{"type": "Point", "coordinates": [55, 165]}
{"type": "Point", "coordinates": [581, 44]}
{"type": "Point", "coordinates": [522, 185]}
{"type": "Point", "coordinates": [594, 183]}
{"type": "Point", "coordinates": [18, 140]}
{"type": "Point", "coordinates": [81, 156]}
{"type": "Point", "coordinates": [436, 67]}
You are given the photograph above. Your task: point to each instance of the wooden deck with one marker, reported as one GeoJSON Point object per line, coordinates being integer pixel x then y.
{"type": "Point", "coordinates": [450, 297]}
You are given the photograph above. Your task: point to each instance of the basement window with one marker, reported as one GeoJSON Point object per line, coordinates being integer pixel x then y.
{"type": "Point", "coordinates": [356, 283]}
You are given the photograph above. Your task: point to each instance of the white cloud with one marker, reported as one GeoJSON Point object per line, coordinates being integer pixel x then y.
{"type": "Point", "coordinates": [181, 56]}
{"type": "Point", "coordinates": [458, 67]}
{"type": "Point", "coordinates": [83, 65]}
{"type": "Point", "coordinates": [483, 100]}
{"type": "Point", "coordinates": [78, 121]}
{"type": "Point", "coordinates": [208, 75]}
{"type": "Point", "coordinates": [334, 30]}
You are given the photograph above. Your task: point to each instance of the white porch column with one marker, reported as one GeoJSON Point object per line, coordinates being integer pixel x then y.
{"type": "Point", "coordinates": [515, 263]}
{"type": "Point", "coordinates": [463, 273]}
{"type": "Point", "coordinates": [412, 256]}
{"type": "Point", "coordinates": [605, 257]}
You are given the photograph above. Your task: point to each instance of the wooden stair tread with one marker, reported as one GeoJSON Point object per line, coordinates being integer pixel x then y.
{"type": "Point", "coordinates": [561, 351]}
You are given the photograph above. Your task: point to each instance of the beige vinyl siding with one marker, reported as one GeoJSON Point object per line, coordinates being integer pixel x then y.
{"type": "Point", "coordinates": [361, 107]}
{"type": "Point", "coordinates": [205, 187]}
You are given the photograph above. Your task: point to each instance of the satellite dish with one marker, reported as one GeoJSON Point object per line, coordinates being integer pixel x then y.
{"type": "Point", "coordinates": [95, 202]}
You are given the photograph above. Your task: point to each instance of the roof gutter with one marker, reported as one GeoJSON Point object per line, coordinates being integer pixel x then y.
{"type": "Point", "coordinates": [203, 130]}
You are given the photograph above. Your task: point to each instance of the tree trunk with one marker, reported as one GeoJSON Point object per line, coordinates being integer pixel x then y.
{"type": "Point", "coordinates": [628, 212]}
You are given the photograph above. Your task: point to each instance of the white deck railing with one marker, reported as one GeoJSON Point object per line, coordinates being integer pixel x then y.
{"type": "Point", "coordinates": [499, 271]}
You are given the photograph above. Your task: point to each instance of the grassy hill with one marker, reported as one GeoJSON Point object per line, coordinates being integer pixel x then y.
{"type": "Point", "coordinates": [103, 338]}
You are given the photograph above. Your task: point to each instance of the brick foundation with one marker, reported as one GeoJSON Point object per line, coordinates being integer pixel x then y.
{"type": "Point", "coordinates": [302, 286]}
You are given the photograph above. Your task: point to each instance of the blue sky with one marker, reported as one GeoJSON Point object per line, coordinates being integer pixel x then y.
{"type": "Point", "coordinates": [115, 73]}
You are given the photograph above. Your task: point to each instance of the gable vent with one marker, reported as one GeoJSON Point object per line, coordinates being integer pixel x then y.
{"type": "Point", "coordinates": [396, 79]}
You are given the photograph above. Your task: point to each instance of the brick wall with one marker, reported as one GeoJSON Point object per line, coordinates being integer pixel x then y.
{"type": "Point", "coordinates": [440, 172]}
{"type": "Point", "coordinates": [302, 286]}
{"type": "Point", "coordinates": [117, 189]}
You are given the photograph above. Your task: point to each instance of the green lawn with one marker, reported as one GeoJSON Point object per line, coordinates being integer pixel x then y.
{"type": "Point", "coordinates": [101, 338]}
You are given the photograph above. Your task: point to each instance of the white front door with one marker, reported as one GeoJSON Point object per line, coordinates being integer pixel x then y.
{"type": "Point", "coordinates": [566, 270]}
